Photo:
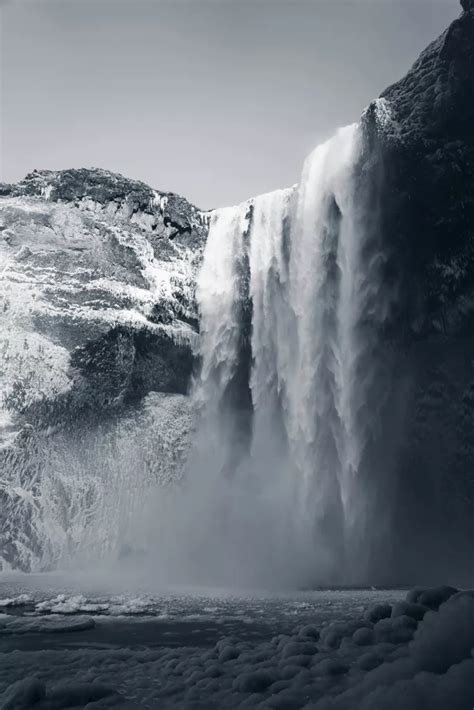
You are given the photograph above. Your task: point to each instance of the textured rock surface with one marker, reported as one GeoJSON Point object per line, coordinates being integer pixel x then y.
{"type": "Point", "coordinates": [57, 489]}
{"type": "Point", "coordinates": [426, 161]}
{"type": "Point", "coordinates": [429, 167]}
{"type": "Point", "coordinates": [97, 293]}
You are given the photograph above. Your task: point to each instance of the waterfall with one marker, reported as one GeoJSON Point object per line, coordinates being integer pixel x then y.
{"type": "Point", "coordinates": [288, 299]}
{"type": "Point", "coordinates": [325, 283]}
{"type": "Point", "coordinates": [264, 476]}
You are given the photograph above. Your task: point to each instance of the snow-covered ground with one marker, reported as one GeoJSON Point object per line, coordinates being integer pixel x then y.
{"type": "Point", "coordinates": [328, 650]}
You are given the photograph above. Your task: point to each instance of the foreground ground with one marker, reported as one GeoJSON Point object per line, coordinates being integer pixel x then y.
{"type": "Point", "coordinates": [328, 650]}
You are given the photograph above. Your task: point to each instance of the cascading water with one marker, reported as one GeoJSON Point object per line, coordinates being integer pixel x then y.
{"type": "Point", "coordinates": [331, 291]}
{"type": "Point", "coordinates": [288, 311]}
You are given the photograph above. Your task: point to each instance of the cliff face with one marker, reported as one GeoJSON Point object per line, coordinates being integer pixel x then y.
{"type": "Point", "coordinates": [425, 167]}
{"type": "Point", "coordinates": [97, 316]}
{"type": "Point", "coordinates": [429, 174]}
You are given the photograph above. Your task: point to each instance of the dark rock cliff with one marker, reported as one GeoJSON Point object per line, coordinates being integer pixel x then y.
{"type": "Point", "coordinates": [424, 169]}
{"type": "Point", "coordinates": [429, 165]}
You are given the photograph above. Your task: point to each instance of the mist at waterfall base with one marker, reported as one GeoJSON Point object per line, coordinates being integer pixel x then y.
{"type": "Point", "coordinates": [279, 486]}
{"type": "Point", "coordinates": [289, 392]}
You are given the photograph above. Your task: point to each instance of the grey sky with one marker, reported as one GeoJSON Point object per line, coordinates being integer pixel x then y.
{"type": "Point", "coordinates": [215, 99]}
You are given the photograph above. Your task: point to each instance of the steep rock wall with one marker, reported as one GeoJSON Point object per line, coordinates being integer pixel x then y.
{"type": "Point", "coordinates": [425, 169]}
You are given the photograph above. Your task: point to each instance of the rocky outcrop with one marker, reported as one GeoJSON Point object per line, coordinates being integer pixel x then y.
{"type": "Point", "coordinates": [122, 197]}
{"type": "Point", "coordinates": [97, 292]}
{"type": "Point", "coordinates": [428, 156]}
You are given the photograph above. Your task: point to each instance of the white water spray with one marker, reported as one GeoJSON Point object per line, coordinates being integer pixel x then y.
{"type": "Point", "coordinates": [298, 257]}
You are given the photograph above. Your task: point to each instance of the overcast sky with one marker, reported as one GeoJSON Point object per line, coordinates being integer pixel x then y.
{"type": "Point", "coordinates": [217, 100]}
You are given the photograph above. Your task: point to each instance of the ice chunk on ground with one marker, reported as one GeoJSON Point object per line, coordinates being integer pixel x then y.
{"type": "Point", "coordinates": [21, 600]}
